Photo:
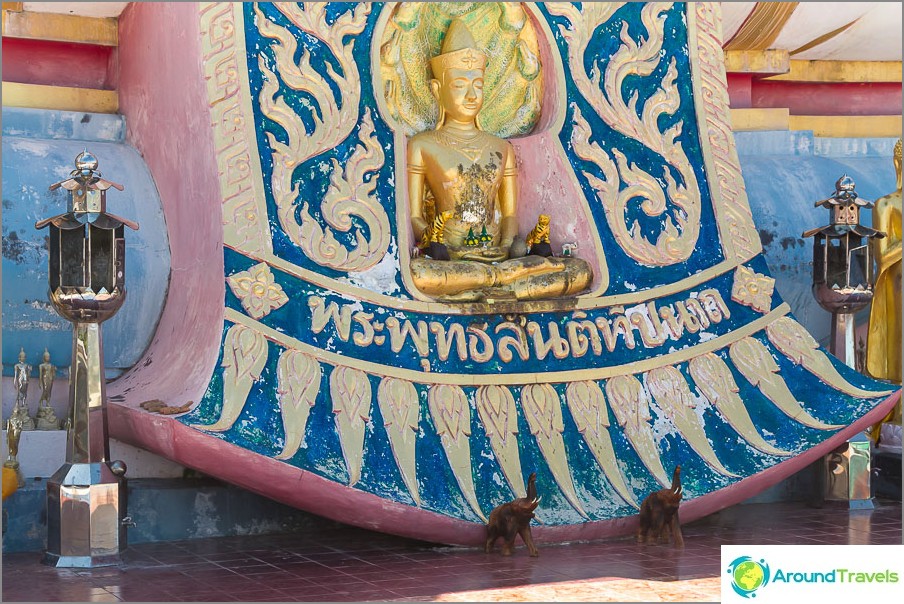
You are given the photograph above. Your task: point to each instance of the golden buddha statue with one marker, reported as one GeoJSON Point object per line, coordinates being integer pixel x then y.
{"type": "Point", "coordinates": [468, 176]}
{"type": "Point", "coordinates": [883, 350]}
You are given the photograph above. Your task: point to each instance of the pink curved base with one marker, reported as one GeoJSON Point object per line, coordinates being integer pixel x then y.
{"type": "Point", "coordinates": [175, 139]}
{"type": "Point", "coordinates": [305, 490]}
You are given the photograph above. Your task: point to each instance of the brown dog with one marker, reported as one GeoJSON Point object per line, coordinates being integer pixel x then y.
{"type": "Point", "coordinates": [513, 518]}
{"type": "Point", "coordinates": [659, 514]}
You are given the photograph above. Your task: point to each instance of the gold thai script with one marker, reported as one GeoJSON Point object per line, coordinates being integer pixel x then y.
{"type": "Point", "coordinates": [649, 325]}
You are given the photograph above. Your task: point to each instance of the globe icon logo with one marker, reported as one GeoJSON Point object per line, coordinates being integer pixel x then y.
{"type": "Point", "coordinates": [748, 575]}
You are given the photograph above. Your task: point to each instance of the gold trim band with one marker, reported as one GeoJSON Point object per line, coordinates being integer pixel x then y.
{"type": "Point", "coordinates": [102, 31]}
{"type": "Point", "coordinates": [61, 98]}
{"type": "Point", "coordinates": [849, 126]}
{"type": "Point", "coordinates": [840, 71]}
{"type": "Point", "coordinates": [770, 61]}
{"type": "Point", "coordinates": [749, 120]}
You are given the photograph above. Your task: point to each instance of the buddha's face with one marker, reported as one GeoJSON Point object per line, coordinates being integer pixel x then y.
{"type": "Point", "coordinates": [460, 93]}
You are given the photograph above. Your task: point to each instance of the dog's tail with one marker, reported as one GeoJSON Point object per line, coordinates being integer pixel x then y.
{"type": "Point", "coordinates": [676, 481]}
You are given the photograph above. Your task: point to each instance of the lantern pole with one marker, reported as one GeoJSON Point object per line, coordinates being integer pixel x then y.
{"type": "Point", "coordinates": [842, 285]}
{"type": "Point", "coordinates": [86, 497]}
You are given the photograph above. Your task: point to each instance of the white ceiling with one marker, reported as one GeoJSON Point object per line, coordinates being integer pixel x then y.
{"type": "Point", "coordinates": [874, 32]}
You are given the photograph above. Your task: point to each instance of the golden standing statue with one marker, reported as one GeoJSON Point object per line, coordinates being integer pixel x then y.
{"type": "Point", "coordinates": [472, 175]}
{"type": "Point", "coordinates": [883, 351]}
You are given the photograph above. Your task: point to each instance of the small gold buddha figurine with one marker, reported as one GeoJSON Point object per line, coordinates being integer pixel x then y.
{"type": "Point", "coordinates": [472, 174]}
{"type": "Point", "coordinates": [21, 373]}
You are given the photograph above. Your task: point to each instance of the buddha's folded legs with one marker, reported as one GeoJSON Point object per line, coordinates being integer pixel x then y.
{"type": "Point", "coordinates": [449, 277]}
{"type": "Point", "coordinates": [573, 277]}
{"type": "Point", "coordinates": [528, 278]}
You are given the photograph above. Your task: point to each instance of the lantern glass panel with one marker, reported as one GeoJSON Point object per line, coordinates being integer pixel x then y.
{"type": "Point", "coordinates": [53, 238]}
{"type": "Point", "coordinates": [101, 246]}
{"type": "Point", "coordinates": [859, 258]}
{"type": "Point", "coordinates": [819, 251]}
{"type": "Point", "coordinates": [836, 262]}
{"type": "Point", "coordinates": [72, 257]}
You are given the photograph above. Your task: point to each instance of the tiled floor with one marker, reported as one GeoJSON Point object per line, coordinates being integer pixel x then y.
{"type": "Point", "coordinates": [351, 564]}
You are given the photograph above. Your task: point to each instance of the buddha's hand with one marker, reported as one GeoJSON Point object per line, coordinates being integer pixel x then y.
{"type": "Point", "coordinates": [486, 254]}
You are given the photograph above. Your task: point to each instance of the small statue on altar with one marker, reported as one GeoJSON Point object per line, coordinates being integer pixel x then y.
{"type": "Point", "coordinates": [45, 418]}
{"type": "Point", "coordinates": [467, 178]}
{"type": "Point", "coordinates": [21, 373]}
{"type": "Point", "coordinates": [13, 433]}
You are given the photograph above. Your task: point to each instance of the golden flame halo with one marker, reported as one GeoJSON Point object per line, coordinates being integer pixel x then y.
{"type": "Point", "coordinates": [503, 30]}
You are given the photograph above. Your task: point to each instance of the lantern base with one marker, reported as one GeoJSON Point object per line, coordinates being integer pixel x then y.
{"type": "Point", "coordinates": [85, 507]}
{"type": "Point", "coordinates": [848, 474]}
{"type": "Point", "coordinates": [80, 561]}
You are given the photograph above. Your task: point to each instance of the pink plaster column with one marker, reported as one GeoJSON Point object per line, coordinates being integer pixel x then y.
{"type": "Point", "coordinates": [164, 99]}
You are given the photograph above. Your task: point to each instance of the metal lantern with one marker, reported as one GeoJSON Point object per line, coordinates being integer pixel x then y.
{"type": "Point", "coordinates": [842, 285]}
{"type": "Point", "coordinates": [86, 496]}
{"type": "Point", "coordinates": [842, 267]}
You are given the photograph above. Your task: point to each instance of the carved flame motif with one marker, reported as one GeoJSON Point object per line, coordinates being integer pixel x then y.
{"type": "Point", "coordinates": [752, 289]}
{"type": "Point", "coordinates": [755, 363]}
{"type": "Point", "coordinates": [244, 357]}
{"type": "Point", "coordinates": [792, 339]}
{"type": "Point", "coordinates": [452, 417]}
{"type": "Point", "coordinates": [257, 290]}
{"type": "Point", "coordinates": [401, 411]}
{"type": "Point", "coordinates": [348, 195]}
{"type": "Point", "coordinates": [334, 118]}
{"type": "Point", "coordinates": [298, 382]}
{"type": "Point", "coordinates": [713, 378]}
{"type": "Point", "coordinates": [673, 395]}
{"type": "Point", "coordinates": [543, 412]}
{"type": "Point", "coordinates": [588, 409]}
{"type": "Point", "coordinates": [351, 394]}
{"type": "Point", "coordinates": [631, 405]}
{"type": "Point", "coordinates": [497, 413]}
{"type": "Point", "coordinates": [624, 183]}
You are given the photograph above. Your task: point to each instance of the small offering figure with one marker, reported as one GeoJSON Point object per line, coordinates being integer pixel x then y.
{"type": "Point", "coordinates": [46, 374]}
{"type": "Point", "coordinates": [21, 373]}
{"type": "Point", "coordinates": [13, 432]}
{"type": "Point", "coordinates": [46, 418]}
